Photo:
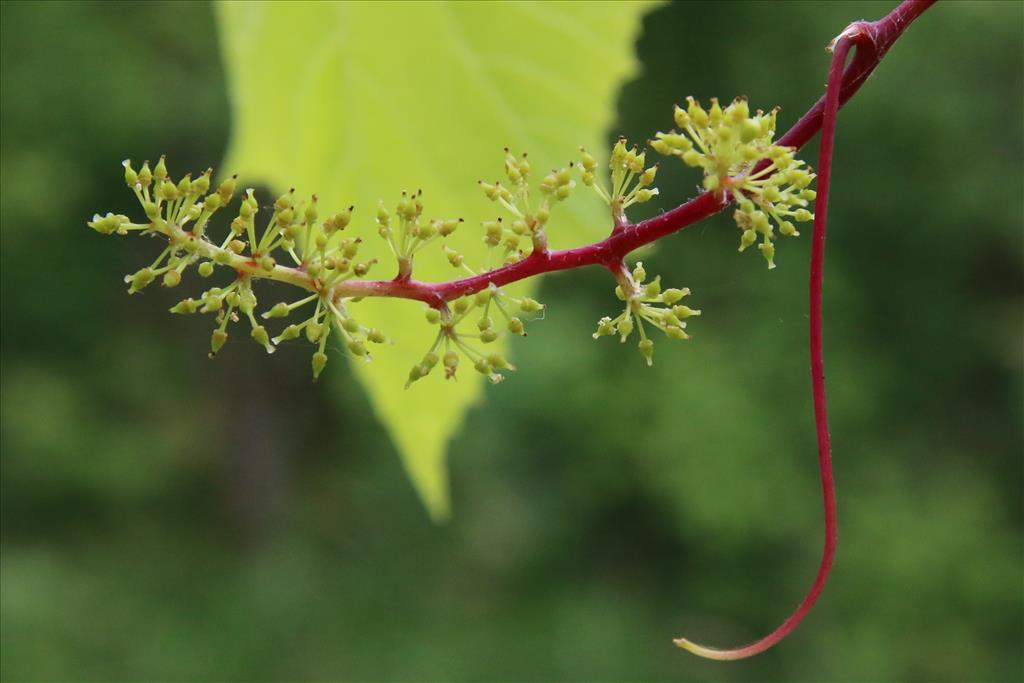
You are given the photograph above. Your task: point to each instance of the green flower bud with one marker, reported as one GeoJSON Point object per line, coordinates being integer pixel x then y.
{"type": "Point", "coordinates": [145, 175]}
{"type": "Point", "coordinates": [319, 362]}
{"type": "Point", "coordinates": [605, 327]}
{"type": "Point", "coordinates": [160, 171]}
{"type": "Point", "coordinates": [528, 305]}
{"type": "Point", "coordinates": [185, 307]}
{"type": "Point", "coordinates": [356, 348]}
{"type": "Point", "coordinates": [201, 184]}
{"type": "Point", "coordinates": [217, 340]}
{"type": "Point", "coordinates": [140, 279]}
{"type": "Point", "coordinates": [625, 327]}
{"type": "Point", "coordinates": [676, 333]}
{"type": "Point", "coordinates": [684, 312]}
{"type": "Point", "coordinates": [172, 278]}
{"type": "Point", "coordinates": [314, 331]}
{"type": "Point", "coordinates": [646, 347]}
{"type": "Point", "coordinates": [167, 191]}
{"type": "Point", "coordinates": [670, 296]}
{"type": "Point", "coordinates": [226, 190]}
{"type": "Point", "coordinates": [788, 229]}
{"type": "Point", "coordinates": [185, 185]}
{"type": "Point", "coordinates": [259, 333]}
{"type": "Point", "coordinates": [130, 176]}
{"type": "Point", "coordinates": [433, 316]}
{"type": "Point", "coordinates": [288, 333]}
{"type": "Point", "coordinates": [376, 336]}
{"type": "Point", "coordinates": [488, 336]}
{"type": "Point", "coordinates": [747, 238]}
{"type": "Point", "coordinates": [515, 326]}
{"type": "Point", "coordinates": [279, 310]}
{"type": "Point", "coordinates": [417, 372]}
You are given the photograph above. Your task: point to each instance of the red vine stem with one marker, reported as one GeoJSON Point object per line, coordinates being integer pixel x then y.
{"type": "Point", "coordinates": [863, 35]}
{"type": "Point", "coordinates": [872, 39]}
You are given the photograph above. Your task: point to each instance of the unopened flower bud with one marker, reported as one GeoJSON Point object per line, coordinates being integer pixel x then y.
{"type": "Point", "coordinates": [318, 363]}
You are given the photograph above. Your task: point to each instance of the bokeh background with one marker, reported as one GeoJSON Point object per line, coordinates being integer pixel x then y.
{"type": "Point", "coordinates": [165, 517]}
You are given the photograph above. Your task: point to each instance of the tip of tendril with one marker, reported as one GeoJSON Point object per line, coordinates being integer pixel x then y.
{"type": "Point", "coordinates": [708, 652]}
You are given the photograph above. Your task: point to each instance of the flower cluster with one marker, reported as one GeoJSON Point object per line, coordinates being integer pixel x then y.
{"type": "Point", "coordinates": [736, 153]}
{"type": "Point", "coordinates": [488, 315]}
{"type": "Point", "coordinates": [523, 233]}
{"type": "Point", "coordinates": [412, 232]}
{"type": "Point", "coordinates": [321, 261]}
{"type": "Point", "coordinates": [295, 246]}
{"type": "Point", "coordinates": [630, 181]}
{"type": "Point", "coordinates": [181, 211]}
{"type": "Point", "coordinates": [646, 302]}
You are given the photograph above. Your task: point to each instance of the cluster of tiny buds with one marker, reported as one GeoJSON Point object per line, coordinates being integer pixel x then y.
{"type": "Point", "coordinates": [322, 260]}
{"type": "Point", "coordinates": [733, 148]}
{"type": "Point", "coordinates": [646, 302]}
{"type": "Point", "coordinates": [524, 231]}
{"type": "Point", "coordinates": [736, 153]}
{"type": "Point", "coordinates": [631, 182]}
{"type": "Point", "coordinates": [483, 317]}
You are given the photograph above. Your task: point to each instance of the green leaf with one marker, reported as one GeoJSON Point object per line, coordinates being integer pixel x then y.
{"type": "Point", "coordinates": [359, 101]}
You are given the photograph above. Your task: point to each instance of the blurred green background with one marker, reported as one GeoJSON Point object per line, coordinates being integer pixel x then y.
{"type": "Point", "coordinates": [165, 517]}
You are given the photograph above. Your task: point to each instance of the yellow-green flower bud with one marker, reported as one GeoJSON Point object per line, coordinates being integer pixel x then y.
{"type": "Point", "coordinates": [605, 327]}
{"type": "Point", "coordinates": [160, 171]}
{"type": "Point", "coordinates": [646, 347]}
{"type": "Point", "coordinates": [130, 176]}
{"type": "Point", "coordinates": [278, 310]}
{"type": "Point", "coordinates": [172, 278]}
{"type": "Point", "coordinates": [528, 305]}
{"type": "Point", "coordinates": [356, 348]}
{"type": "Point", "coordinates": [288, 333]}
{"type": "Point", "coordinates": [217, 340]}
{"type": "Point", "coordinates": [259, 333]}
{"type": "Point", "coordinates": [185, 185]}
{"type": "Point", "coordinates": [167, 191]}
{"type": "Point", "coordinates": [747, 238]}
{"type": "Point", "coordinates": [684, 312]}
{"type": "Point", "coordinates": [226, 190]}
{"type": "Point", "coordinates": [140, 279]}
{"type": "Point", "coordinates": [314, 332]}
{"type": "Point", "coordinates": [768, 251]}
{"type": "Point", "coordinates": [185, 306]}
{"type": "Point", "coordinates": [319, 362]}
{"type": "Point", "coordinates": [670, 296]}
{"type": "Point", "coordinates": [145, 175]}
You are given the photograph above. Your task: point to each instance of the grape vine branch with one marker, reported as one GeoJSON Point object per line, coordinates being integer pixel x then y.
{"type": "Point", "coordinates": [741, 163]}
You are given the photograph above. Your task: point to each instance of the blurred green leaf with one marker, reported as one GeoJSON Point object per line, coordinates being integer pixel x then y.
{"type": "Point", "coordinates": [327, 99]}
